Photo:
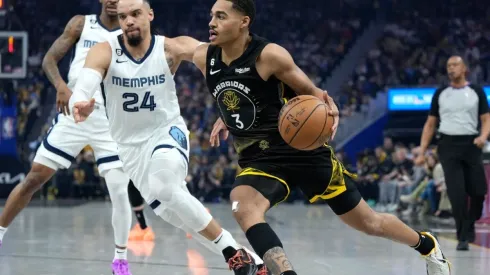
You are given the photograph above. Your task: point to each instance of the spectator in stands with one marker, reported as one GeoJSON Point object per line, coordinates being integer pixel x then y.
{"type": "Point", "coordinates": [425, 193]}
{"type": "Point", "coordinates": [388, 146]}
{"type": "Point", "coordinates": [385, 167]}
{"type": "Point", "coordinates": [368, 178]}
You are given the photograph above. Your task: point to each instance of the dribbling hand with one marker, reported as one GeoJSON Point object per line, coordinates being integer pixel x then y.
{"type": "Point", "coordinates": [214, 138]}
{"type": "Point", "coordinates": [82, 109]}
{"type": "Point", "coordinates": [334, 112]}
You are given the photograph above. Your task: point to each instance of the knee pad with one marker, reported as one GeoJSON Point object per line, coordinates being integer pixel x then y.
{"type": "Point", "coordinates": [134, 194]}
{"type": "Point", "coordinates": [167, 171]}
{"type": "Point", "coordinates": [171, 199]}
{"type": "Point", "coordinates": [117, 182]}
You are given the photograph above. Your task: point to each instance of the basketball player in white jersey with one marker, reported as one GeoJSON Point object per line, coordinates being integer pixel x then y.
{"type": "Point", "coordinates": [66, 139]}
{"type": "Point", "coordinates": [137, 70]}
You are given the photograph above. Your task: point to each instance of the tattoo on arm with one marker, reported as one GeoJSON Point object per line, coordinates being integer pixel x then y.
{"type": "Point", "coordinates": [276, 260]}
{"type": "Point", "coordinates": [170, 58]}
{"type": "Point", "coordinates": [60, 47]}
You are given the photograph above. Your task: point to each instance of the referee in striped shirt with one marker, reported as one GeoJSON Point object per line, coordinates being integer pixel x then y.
{"type": "Point", "coordinates": [458, 108]}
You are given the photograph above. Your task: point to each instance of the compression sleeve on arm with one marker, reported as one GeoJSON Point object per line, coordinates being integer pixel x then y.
{"type": "Point", "coordinates": [88, 82]}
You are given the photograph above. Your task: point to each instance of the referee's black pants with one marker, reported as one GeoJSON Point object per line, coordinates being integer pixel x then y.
{"type": "Point", "coordinates": [465, 179]}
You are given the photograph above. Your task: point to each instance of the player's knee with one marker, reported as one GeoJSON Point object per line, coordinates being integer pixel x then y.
{"type": "Point", "coordinates": [167, 173]}
{"type": "Point", "coordinates": [36, 178]}
{"type": "Point", "coordinates": [248, 205]}
{"type": "Point", "coordinates": [117, 183]}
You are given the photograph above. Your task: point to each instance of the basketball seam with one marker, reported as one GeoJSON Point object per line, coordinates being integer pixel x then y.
{"type": "Point", "coordinates": [306, 119]}
{"type": "Point", "coordinates": [285, 115]}
{"type": "Point", "coordinates": [325, 123]}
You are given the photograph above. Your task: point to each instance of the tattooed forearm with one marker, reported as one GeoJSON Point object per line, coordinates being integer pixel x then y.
{"type": "Point", "coordinates": [276, 260]}
{"type": "Point", "coordinates": [60, 47]}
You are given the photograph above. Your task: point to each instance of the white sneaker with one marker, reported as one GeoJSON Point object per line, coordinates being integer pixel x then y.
{"type": "Point", "coordinates": [436, 263]}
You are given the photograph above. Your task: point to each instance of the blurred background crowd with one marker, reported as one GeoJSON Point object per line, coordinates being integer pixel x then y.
{"type": "Point", "coordinates": [411, 49]}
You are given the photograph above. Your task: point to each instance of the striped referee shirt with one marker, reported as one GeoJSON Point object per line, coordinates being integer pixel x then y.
{"type": "Point", "coordinates": [459, 109]}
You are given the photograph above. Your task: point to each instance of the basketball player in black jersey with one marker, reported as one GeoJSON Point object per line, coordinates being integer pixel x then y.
{"type": "Point", "coordinates": [251, 79]}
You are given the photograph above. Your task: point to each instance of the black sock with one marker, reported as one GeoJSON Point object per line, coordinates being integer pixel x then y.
{"type": "Point", "coordinates": [262, 238]}
{"type": "Point", "coordinates": [289, 272]}
{"type": "Point", "coordinates": [425, 245]}
{"type": "Point", "coordinates": [229, 253]}
{"type": "Point", "coordinates": [140, 216]}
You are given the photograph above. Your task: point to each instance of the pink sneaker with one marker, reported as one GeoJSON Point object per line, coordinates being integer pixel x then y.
{"type": "Point", "coordinates": [120, 267]}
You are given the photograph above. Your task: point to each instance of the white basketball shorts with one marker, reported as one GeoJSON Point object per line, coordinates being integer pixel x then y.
{"type": "Point", "coordinates": [136, 158]}
{"type": "Point", "coordinates": [65, 139]}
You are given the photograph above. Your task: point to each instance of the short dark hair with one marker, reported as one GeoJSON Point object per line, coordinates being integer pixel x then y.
{"type": "Point", "coordinates": [247, 7]}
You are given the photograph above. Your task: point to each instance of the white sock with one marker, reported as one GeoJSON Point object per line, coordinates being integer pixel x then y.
{"type": "Point", "coordinates": [3, 230]}
{"type": "Point", "coordinates": [224, 240]}
{"type": "Point", "coordinates": [120, 254]}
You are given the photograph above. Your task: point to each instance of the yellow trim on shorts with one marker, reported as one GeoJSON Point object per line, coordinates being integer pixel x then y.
{"type": "Point", "coordinates": [282, 93]}
{"type": "Point", "coordinates": [337, 167]}
{"type": "Point", "coordinates": [249, 172]}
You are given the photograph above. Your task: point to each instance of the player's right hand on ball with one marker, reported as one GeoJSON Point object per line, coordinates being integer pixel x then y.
{"type": "Point", "coordinates": [219, 126]}
{"type": "Point", "coordinates": [82, 109]}
{"type": "Point", "coordinates": [334, 112]}
{"type": "Point", "coordinates": [63, 95]}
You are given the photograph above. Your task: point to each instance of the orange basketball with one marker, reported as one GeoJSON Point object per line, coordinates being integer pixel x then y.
{"type": "Point", "coordinates": [304, 123]}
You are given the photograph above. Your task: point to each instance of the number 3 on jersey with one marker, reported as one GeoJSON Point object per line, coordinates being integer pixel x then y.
{"type": "Point", "coordinates": [238, 122]}
{"type": "Point", "coordinates": [133, 99]}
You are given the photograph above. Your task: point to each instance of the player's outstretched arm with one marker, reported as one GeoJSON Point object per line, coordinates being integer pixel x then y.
{"type": "Point", "coordinates": [180, 49]}
{"type": "Point", "coordinates": [95, 68]}
{"type": "Point", "coordinates": [199, 57]}
{"type": "Point", "coordinates": [56, 52]}
{"type": "Point", "coordinates": [276, 61]}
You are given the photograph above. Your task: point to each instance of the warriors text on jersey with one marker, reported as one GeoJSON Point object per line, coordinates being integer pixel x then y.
{"type": "Point", "coordinates": [93, 32]}
{"type": "Point", "coordinates": [140, 94]}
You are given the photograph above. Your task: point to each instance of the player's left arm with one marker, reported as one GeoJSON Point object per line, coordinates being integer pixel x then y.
{"type": "Point", "coordinates": [180, 49]}
{"type": "Point", "coordinates": [277, 61]}
{"type": "Point", "coordinates": [92, 74]}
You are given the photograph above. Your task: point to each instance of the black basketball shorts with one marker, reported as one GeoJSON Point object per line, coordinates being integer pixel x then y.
{"type": "Point", "coordinates": [320, 177]}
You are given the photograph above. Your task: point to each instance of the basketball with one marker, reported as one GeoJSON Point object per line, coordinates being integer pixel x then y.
{"type": "Point", "coordinates": [304, 123]}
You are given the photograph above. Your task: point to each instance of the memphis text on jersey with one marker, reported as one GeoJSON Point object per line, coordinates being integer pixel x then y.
{"type": "Point", "coordinates": [228, 84]}
{"type": "Point", "coordinates": [139, 81]}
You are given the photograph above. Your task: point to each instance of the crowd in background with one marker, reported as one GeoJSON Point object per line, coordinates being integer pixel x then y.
{"type": "Point", "coordinates": [414, 48]}
{"type": "Point", "coordinates": [390, 181]}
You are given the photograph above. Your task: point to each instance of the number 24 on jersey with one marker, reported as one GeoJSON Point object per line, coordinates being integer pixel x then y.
{"type": "Point", "coordinates": [132, 102]}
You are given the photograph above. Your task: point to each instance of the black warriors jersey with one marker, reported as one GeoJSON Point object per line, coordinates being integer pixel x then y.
{"type": "Point", "coordinates": [248, 105]}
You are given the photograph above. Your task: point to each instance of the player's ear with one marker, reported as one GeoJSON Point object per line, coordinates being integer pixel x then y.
{"type": "Point", "coordinates": [151, 15]}
{"type": "Point", "coordinates": [245, 22]}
